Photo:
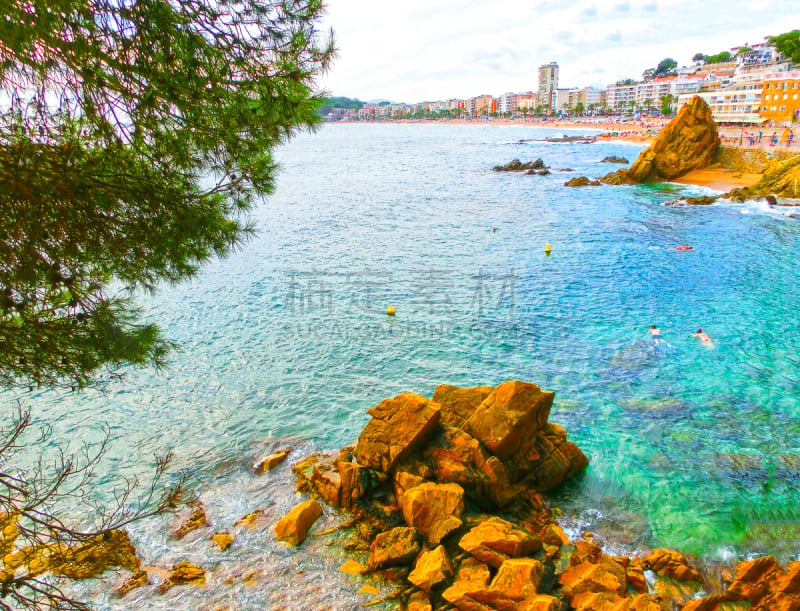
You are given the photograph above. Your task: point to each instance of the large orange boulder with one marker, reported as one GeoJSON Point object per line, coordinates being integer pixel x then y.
{"type": "Point", "coordinates": [473, 576]}
{"type": "Point", "coordinates": [604, 576]}
{"type": "Point", "coordinates": [432, 568]}
{"type": "Point", "coordinates": [496, 540]}
{"type": "Point", "coordinates": [686, 143]}
{"type": "Point", "coordinates": [458, 404]}
{"type": "Point", "coordinates": [669, 563]}
{"type": "Point", "coordinates": [756, 580]}
{"type": "Point", "coordinates": [396, 547]}
{"type": "Point", "coordinates": [513, 410]}
{"type": "Point", "coordinates": [547, 459]}
{"type": "Point", "coordinates": [434, 509]}
{"type": "Point", "coordinates": [397, 426]}
{"type": "Point", "coordinates": [294, 526]}
{"type": "Point", "coordinates": [517, 579]}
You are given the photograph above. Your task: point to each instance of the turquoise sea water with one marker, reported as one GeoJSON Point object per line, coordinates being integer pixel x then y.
{"type": "Point", "coordinates": [692, 447]}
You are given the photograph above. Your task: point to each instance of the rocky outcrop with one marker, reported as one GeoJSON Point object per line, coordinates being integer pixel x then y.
{"type": "Point", "coordinates": [516, 165]}
{"type": "Point", "coordinates": [614, 159]}
{"type": "Point", "coordinates": [760, 584]}
{"type": "Point", "coordinates": [426, 478]}
{"type": "Point", "coordinates": [781, 179]}
{"type": "Point", "coordinates": [581, 181]}
{"type": "Point", "coordinates": [510, 413]}
{"type": "Point", "coordinates": [670, 563]}
{"type": "Point", "coordinates": [496, 540]}
{"type": "Point", "coordinates": [686, 143]}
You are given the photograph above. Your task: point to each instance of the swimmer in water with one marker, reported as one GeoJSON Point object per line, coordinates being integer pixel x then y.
{"type": "Point", "coordinates": [654, 331]}
{"type": "Point", "coordinates": [703, 337]}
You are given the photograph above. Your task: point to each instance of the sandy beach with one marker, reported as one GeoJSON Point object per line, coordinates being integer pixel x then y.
{"type": "Point", "coordinates": [718, 179]}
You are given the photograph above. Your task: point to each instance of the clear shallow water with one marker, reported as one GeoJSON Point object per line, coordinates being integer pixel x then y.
{"type": "Point", "coordinates": [288, 337]}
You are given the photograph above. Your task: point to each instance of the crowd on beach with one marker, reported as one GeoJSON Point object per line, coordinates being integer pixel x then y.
{"type": "Point", "coordinates": [646, 129]}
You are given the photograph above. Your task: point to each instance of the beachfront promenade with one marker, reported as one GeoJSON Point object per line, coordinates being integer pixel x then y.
{"type": "Point", "coordinates": [639, 131]}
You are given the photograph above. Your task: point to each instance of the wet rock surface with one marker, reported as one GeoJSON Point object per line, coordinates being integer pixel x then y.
{"type": "Point", "coordinates": [458, 522]}
{"type": "Point", "coordinates": [516, 165]}
{"type": "Point", "coordinates": [581, 181]}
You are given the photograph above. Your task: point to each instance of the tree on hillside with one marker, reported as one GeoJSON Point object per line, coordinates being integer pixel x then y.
{"type": "Point", "coordinates": [134, 138]}
{"type": "Point", "coordinates": [137, 138]}
{"type": "Point", "coordinates": [788, 44]}
{"type": "Point", "coordinates": [719, 58]}
{"type": "Point", "coordinates": [665, 67]}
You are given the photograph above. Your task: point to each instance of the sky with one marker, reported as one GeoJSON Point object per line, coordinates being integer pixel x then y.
{"type": "Point", "coordinates": [426, 50]}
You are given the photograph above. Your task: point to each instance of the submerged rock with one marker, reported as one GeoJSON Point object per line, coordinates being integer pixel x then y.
{"type": "Point", "coordinates": [273, 460]}
{"type": "Point", "coordinates": [196, 520]}
{"type": "Point", "coordinates": [184, 573]}
{"type": "Point", "coordinates": [223, 540]}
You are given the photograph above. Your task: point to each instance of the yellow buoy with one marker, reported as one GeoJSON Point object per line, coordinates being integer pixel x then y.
{"type": "Point", "coordinates": [547, 249]}
{"type": "Point", "coordinates": [390, 310]}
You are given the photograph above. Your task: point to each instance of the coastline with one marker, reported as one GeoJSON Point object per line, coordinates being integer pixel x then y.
{"type": "Point", "coordinates": [640, 132]}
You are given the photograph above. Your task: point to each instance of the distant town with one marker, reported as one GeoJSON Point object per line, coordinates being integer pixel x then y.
{"type": "Point", "coordinates": [750, 85]}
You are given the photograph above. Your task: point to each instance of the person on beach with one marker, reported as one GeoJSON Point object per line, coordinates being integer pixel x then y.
{"type": "Point", "coordinates": [760, 134]}
{"type": "Point", "coordinates": [703, 337]}
{"type": "Point", "coordinates": [789, 139]}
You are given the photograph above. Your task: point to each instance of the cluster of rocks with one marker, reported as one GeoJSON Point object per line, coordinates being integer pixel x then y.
{"type": "Point", "coordinates": [445, 498]}
{"type": "Point", "coordinates": [614, 159]}
{"type": "Point", "coordinates": [530, 168]}
{"type": "Point", "coordinates": [446, 494]}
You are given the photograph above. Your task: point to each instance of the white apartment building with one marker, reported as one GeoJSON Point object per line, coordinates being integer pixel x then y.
{"type": "Point", "coordinates": [739, 98]}
{"type": "Point", "coordinates": [561, 99]}
{"type": "Point", "coordinates": [508, 103]}
{"type": "Point", "coordinates": [548, 83]}
{"type": "Point", "coordinates": [620, 96]}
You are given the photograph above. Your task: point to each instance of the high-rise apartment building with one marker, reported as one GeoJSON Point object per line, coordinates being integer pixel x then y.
{"type": "Point", "coordinates": [548, 83]}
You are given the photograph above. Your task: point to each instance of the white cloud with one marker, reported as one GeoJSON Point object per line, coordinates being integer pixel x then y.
{"type": "Point", "coordinates": [427, 50]}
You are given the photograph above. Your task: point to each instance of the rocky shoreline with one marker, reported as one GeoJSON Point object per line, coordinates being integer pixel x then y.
{"type": "Point", "coordinates": [445, 498]}
{"type": "Point", "coordinates": [438, 505]}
